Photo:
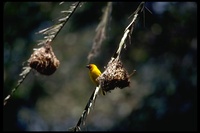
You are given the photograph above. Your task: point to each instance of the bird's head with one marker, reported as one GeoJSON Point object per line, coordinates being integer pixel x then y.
{"type": "Point", "coordinates": [91, 66]}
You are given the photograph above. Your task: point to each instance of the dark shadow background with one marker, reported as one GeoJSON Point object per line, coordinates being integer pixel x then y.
{"type": "Point", "coordinates": [163, 92]}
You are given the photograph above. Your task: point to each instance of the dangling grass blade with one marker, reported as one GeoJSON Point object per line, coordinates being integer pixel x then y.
{"type": "Point", "coordinates": [52, 31]}
{"type": "Point", "coordinates": [24, 74]}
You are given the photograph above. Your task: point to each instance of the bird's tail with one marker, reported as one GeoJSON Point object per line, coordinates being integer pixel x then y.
{"type": "Point", "coordinates": [103, 92]}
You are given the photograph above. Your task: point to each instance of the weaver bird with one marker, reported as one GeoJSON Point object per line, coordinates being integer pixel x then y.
{"type": "Point", "coordinates": [94, 73]}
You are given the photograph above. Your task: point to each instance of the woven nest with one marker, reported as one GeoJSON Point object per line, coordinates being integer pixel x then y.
{"type": "Point", "coordinates": [114, 76]}
{"type": "Point", "coordinates": [44, 61]}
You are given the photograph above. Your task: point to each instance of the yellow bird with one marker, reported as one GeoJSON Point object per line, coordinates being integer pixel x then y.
{"type": "Point", "coordinates": [94, 73]}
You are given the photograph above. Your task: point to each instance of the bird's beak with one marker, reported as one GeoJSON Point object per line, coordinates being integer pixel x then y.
{"type": "Point", "coordinates": [88, 66]}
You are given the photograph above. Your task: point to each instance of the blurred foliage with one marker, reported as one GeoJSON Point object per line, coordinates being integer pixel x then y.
{"type": "Point", "coordinates": [162, 95]}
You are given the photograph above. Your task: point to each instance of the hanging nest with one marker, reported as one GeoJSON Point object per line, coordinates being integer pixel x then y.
{"type": "Point", "coordinates": [43, 60]}
{"type": "Point", "coordinates": [114, 76]}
